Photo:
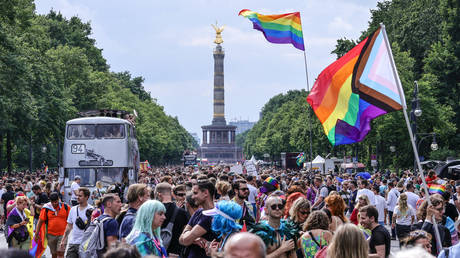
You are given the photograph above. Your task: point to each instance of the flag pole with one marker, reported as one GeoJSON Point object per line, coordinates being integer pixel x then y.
{"type": "Point", "coordinates": [414, 147]}
{"type": "Point", "coordinates": [308, 109]}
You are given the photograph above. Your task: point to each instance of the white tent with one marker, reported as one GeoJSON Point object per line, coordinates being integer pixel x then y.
{"type": "Point", "coordinates": [318, 160]}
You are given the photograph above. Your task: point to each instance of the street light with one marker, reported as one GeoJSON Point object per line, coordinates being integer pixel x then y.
{"type": "Point", "coordinates": [44, 149]}
{"type": "Point", "coordinates": [434, 145]}
{"type": "Point", "coordinates": [392, 148]}
{"type": "Point", "coordinates": [415, 112]}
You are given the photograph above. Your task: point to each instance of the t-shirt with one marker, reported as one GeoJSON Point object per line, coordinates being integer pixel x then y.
{"type": "Point", "coordinates": [110, 226]}
{"type": "Point", "coordinates": [127, 223]}
{"type": "Point", "coordinates": [381, 205]}
{"type": "Point", "coordinates": [205, 222]}
{"type": "Point", "coordinates": [369, 194]}
{"type": "Point", "coordinates": [252, 193]}
{"type": "Point", "coordinates": [412, 199]}
{"type": "Point", "coordinates": [179, 224]}
{"type": "Point", "coordinates": [7, 197]}
{"type": "Point", "coordinates": [56, 222]}
{"type": "Point", "coordinates": [76, 236]}
{"type": "Point", "coordinates": [380, 236]}
{"type": "Point", "coordinates": [451, 211]}
{"type": "Point", "coordinates": [404, 218]}
{"type": "Point", "coordinates": [74, 187]}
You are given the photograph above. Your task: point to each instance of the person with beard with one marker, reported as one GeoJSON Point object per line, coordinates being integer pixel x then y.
{"type": "Point", "coordinates": [279, 238]}
{"type": "Point", "coordinates": [198, 233]}
{"type": "Point", "coordinates": [380, 240]}
{"type": "Point", "coordinates": [241, 194]}
{"type": "Point", "coordinates": [177, 216]}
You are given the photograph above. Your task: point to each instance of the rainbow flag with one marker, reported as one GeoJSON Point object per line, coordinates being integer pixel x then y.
{"type": "Point", "coordinates": [355, 89]}
{"type": "Point", "coordinates": [46, 169]}
{"type": "Point", "coordinates": [300, 159]}
{"type": "Point", "coordinates": [436, 189]}
{"type": "Point", "coordinates": [278, 28]}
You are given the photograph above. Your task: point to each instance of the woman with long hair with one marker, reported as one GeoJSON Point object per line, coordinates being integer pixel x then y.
{"type": "Point", "coordinates": [336, 205]}
{"type": "Point", "coordinates": [145, 234]}
{"type": "Point", "coordinates": [317, 234]}
{"type": "Point", "coordinates": [224, 224]}
{"type": "Point", "coordinates": [403, 218]}
{"type": "Point", "coordinates": [20, 224]}
{"type": "Point", "coordinates": [298, 214]}
{"type": "Point", "coordinates": [348, 242]}
{"type": "Point", "coordinates": [363, 200]}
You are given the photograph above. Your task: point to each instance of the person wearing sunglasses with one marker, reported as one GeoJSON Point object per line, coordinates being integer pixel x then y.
{"type": "Point", "coordinates": [241, 194]}
{"type": "Point", "coordinates": [425, 221]}
{"type": "Point", "coordinates": [278, 236]}
{"type": "Point", "coordinates": [179, 195]}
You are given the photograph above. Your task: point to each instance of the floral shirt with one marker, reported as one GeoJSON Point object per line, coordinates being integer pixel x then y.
{"type": "Point", "coordinates": [147, 245]}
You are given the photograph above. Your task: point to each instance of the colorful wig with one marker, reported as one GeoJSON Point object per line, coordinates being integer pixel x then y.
{"type": "Point", "coordinates": [145, 216]}
{"type": "Point", "coordinates": [222, 225]}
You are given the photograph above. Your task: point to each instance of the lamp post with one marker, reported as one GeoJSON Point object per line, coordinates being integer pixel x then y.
{"type": "Point", "coordinates": [433, 145]}
{"type": "Point", "coordinates": [414, 113]}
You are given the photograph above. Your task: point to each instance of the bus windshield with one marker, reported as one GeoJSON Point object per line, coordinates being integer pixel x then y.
{"type": "Point", "coordinates": [86, 132]}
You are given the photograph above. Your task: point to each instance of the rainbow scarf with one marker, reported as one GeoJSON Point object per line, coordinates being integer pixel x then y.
{"type": "Point", "coordinates": [436, 189]}
{"type": "Point", "coordinates": [355, 89]}
{"type": "Point", "coordinates": [278, 28]}
{"type": "Point", "coordinates": [39, 247]}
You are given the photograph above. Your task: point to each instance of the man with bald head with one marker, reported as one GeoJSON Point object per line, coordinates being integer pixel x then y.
{"type": "Point", "coordinates": [244, 245]}
{"type": "Point", "coordinates": [275, 232]}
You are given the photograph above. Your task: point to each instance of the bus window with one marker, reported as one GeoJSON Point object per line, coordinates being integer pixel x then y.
{"type": "Point", "coordinates": [111, 131]}
{"type": "Point", "coordinates": [87, 175]}
{"type": "Point", "coordinates": [110, 175]}
{"type": "Point", "coordinates": [79, 132]}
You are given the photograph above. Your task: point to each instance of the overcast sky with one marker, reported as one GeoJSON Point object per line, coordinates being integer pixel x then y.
{"type": "Point", "coordinates": [170, 44]}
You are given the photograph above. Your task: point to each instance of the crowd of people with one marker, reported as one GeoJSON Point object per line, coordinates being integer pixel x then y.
{"type": "Point", "coordinates": [213, 212]}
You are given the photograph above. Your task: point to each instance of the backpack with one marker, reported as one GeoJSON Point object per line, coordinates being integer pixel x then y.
{"type": "Point", "coordinates": [121, 218]}
{"type": "Point", "coordinates": [166, 233]}
{"type": "Point", "coordinates": [94, 239]}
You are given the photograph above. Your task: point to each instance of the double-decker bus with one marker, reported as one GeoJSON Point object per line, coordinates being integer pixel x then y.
{"type": "Point", "coordinates": [99, 149]}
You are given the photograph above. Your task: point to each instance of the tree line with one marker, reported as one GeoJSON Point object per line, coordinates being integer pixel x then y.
{"type": "Point", "coordinates": [50, 68]}
{"type": "Point", "coordinates": [425, 37]}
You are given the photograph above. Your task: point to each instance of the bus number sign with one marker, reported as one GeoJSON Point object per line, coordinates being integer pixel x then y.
{"type": "Point", "coordinates": [78, 148]}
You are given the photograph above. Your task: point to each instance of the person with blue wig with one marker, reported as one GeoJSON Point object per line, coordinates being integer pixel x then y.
{"type": "Point", "coordinates": [224, 222]}
{"type": "Point", "coordinates": [145, 234]}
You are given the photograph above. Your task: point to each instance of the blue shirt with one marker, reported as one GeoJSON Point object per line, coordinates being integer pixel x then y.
{"type": "Point", "coordinates": [127, 223]}
{"type": "Point", "coordinates": [454, 251]}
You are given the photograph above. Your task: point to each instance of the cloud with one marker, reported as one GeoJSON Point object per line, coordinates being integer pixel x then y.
{"type": "Point", "coordinates": [339, 24]}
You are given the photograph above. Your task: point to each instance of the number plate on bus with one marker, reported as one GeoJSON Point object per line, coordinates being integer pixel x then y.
{"type": "Point", "coordinates": [78, 148]}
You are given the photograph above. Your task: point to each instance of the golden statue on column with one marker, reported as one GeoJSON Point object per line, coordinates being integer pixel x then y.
{"type": "Point", "coordinates": [218, 39]}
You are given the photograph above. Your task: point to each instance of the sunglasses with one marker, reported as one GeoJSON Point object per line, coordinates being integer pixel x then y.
{"type": "Point", "coordinates": [180, 194]}
{"type": "Point", "coordinates": [304, 212]}
{"type": "Point", "coordinates": [244, 189]}
{"type": "Point", "coordinates": [280, 206]}
{"type": "Point", "coordinates": [418, 233]}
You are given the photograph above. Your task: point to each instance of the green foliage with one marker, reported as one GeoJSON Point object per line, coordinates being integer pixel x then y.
{"type": "Point", "coordinates": [425, 37]}
{"type": "Point", "coordinates": [50, 69]}
{"type": "Point", "coordinates": [343, 46]}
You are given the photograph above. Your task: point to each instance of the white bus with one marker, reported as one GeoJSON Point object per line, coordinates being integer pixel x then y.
{"type": "Point", "coordinates": [99, 149]}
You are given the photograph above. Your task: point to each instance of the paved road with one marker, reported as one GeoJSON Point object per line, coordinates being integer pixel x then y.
{"type": "Point", "coordinates": [3, 244]}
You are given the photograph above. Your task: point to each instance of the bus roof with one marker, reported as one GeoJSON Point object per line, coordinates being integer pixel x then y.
{"type": "Point", "coordinates": [98, 120]}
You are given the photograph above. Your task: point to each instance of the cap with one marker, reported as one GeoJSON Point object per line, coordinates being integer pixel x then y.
{"type": "Point", "coordinates": [76, 178]}
{"type": "Point", "coordinates": [269, 185]}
